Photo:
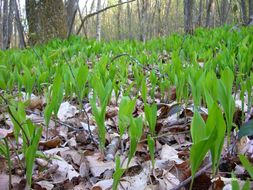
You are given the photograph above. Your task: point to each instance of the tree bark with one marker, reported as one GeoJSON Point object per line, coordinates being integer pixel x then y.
{"type": "Point", "coordinates": [5, 24]}
{"type": "Point", "coordinates": [251, 10]}
{"type": "Point", "coordinates": [1, 24]}
{"type": "Point", "coordinates": [98, 25]}
{"type": "Point", "coordinates": [19, 26]}
{"type": "Point", "coordinates": [71, 13]}
{"type": "Point", "coordinates": [47, 19]}
{"type": "Point", "coordinates": [119, 20]}
{"type": "Point", "coordinates": [210, 13]}
{"type": "Point", "coordinates": [244, 12]}
{"type": "Point", "coordinates": [200, 13]}
{"type": "Point", "coordinates": [129, 15]}
{"type": "Point", "coordinates": [166, 20]}
{"type": "Point", "coordinates": [188, 16]}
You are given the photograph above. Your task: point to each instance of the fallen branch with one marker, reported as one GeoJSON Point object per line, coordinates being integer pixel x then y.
{"type": "Point", "coordinates": [98, 12]}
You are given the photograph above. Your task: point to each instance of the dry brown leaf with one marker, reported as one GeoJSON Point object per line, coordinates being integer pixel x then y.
{"type": "Point", "coordinates": [66, 111]}
{"type": "Point", "coordinates": [98, 167]}
{"type": "Point", "coordinates": [5, 133]}
{"type": "Point", "coordinates": [103, 185]}
{"type": "Point", "coordinates": [84, 170]}
{"type": "Point", "coordinates": [52, 143]}
{"type": "Point", "coordinates": [44, 185]}
{"type": "Point", "coordinates": [65, 170]}
{"type": "Point", "coordinates": [169, 153]}
{"type": "Point", "coordinates": [35, 103]}
{"type": "Point", "coordinates": [168, 181]}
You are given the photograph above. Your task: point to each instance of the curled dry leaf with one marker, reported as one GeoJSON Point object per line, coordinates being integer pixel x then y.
{"type": "Point", "coordinates": [169, 153]}
{"type": "Point", "coordinates": [5, 133]}
{"type": "Point", "coordinates": [66, 111]}
{"type": "Point", "coordinates": [98, 167]}
{"type": "Point", "coordinates": [52, 143]}
{"type": "Point", "coordinates": [74, 154]}
{"type": "Point", "coordinates": [103, 185]}
{"type": "Point", "coordinates": [84, 170]}
{"type": "Point", "coordinates": [35, 103]}
{"type": "Point", "coordinates": [65, 170]}
{"type": "Point", "coordinates": [168, 181]}
{"type": "Point", "coordinates": [138, 181]}
{"type": "Point", "coordinates": [44, 185]}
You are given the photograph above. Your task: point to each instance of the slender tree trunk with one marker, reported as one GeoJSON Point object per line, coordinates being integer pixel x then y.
{"type": "Point", "coordinates": [200, 13]}
{"type": "Point", "coordinates": [1, 23]}
{"type": "Point", "coordinates": [251, 10]}
{"type": "Point", "coordinates": [5, 24]}
{"type": "Point", "coordinates": [244, 12]}
{"type": "Point", "coordinates": [10, 23]}
{"type": "Point", "coordinates": [71, 12]}
{"type": "Point", "coordinates": [188, 16]}
{"type": "Point", "coordinates": [98, 25]}
{"type": "Point", "coordinates": [129, 15]}
{"type": "Point", "coordinates": [119, 20]}
{"type": "Point", "coordinates": [19, 26]}
{"type": "Point", "coordinates": [210, 13]}
{"type": "Point", "coordinates": [166, 20]}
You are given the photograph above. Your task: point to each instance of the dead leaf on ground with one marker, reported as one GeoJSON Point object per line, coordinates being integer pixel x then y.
{"type": "Point", "coordinates": [66, 111]}
{"type": "Point", "coordinates": [52, 143]}
{"type": "Point", "coordinates": [97, 167]}
{"type": "Point", "coordinates": [169, 153]}
{"type": "Point", "coordinates": [103, 185]}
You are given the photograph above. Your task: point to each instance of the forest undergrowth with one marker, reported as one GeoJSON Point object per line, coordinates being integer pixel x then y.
{"type": "Point", "coordinates": [171, 113]}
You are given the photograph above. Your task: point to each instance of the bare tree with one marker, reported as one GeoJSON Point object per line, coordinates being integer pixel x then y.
{"type": "Point", "coordinates": [98, 25]}
{"type": "Point", "coordinates": [188, 16]}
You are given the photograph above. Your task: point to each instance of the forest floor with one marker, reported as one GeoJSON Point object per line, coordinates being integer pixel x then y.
{"type": "Point", "coordinates": [83, 115]}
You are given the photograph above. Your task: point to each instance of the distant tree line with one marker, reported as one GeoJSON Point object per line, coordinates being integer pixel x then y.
{"type": "Point", "coordinates": [42, 20]}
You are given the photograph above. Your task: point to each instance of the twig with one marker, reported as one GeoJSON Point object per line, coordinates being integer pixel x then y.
{"type": "Point", "coordinates": [98, 12]}
{"type": "Point", "coordinates": [112, 148]}
{"type": "Point", "coordinates": [188, 180]}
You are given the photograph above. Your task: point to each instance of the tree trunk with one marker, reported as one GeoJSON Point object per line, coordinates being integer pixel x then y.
{"type": "Point", "coordinates": [98, 26]}
{"type": "Point", "coordinates": [129, 15]}
{"type": "Point", "coordinates": [200, 13]}
{"type": "Point", "coordinates": [251, 10]}
{"type": "Point", "coordinates": [71, 12]}
{"type": "Point", "coordinates": [188, 16]}
{"type": "Point", "coordinates": [244, 12]}
{"type": "Point", "coordinates": [1, 24]}
{"type": "Point", "coordinates": [166, 20]}
{"type": "Point", "coordinates": [119, 20]}
{"type": "Point", "coordinates": [19, 26]}
{"type": "Point", "coordinates": [47, 19]}
{"type": "Point", "coordinates": [210, 13]}
{"type": "Point", "coordinates": [5, 24]}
